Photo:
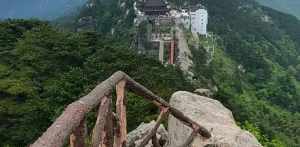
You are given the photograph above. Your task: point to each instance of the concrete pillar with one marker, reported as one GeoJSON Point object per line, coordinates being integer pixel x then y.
{"type": "Point", "coordinates": [161, 51]}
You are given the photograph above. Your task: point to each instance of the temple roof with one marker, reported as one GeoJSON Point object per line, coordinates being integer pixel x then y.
{"type": "Point", "coordinates": [154, 7]}
{"type": "Point", "coordinates": [155, 3]}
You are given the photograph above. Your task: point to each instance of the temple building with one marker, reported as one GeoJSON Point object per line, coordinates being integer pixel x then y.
{"type": "Point", "coordinates": [156, 27]}
{"type": "Point", "coordinates": [199, 21]}
{"type": "Point", "coordinates": [195, 20]}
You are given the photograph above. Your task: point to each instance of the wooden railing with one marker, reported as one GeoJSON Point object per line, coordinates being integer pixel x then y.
{"type": "Point", "coordinates": [110, 128]}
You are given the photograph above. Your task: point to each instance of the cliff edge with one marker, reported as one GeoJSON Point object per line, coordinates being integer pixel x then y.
{"type": "Point", "coordinates": [211, 114]}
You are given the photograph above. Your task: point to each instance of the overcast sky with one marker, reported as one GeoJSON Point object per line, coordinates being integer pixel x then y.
{"type": "Point", "coordinates": [45, 9]}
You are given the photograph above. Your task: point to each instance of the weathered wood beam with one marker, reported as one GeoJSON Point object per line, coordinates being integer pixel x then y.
{"type": "Point", "coordinates": [101, 130]}
{"type": "Point", "coordinates": [155, 141]}
{"type": "Point", "coordinates": [158, 101]}
{"type": "Point", "coordinates": [109, 128]}
{"type": "Point", "coordinates": [116, 128]}
{"type": "Point", "coordinates": [121, 112]}
{"type": "Point", "coordinates": [59, 131]}
{"type": "Point", "coordinates": [99, 125]}
{"type": "Point", "coordinates": [152, 133]}
{"type": "Point", "coordinates": [77, 137]}
{"type": "Point", "coordinates": [142, 91]}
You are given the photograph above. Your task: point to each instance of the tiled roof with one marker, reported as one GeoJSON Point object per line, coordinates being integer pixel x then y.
{"type": "Point", "coordinates": [155, 3]}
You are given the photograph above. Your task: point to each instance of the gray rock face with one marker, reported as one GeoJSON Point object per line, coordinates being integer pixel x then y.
{"type": "Point", "coordinates": [86, 23]}
{"type": "Point", "coordinates": [212, 115]}
{"type": "Point", "coordinates": [135, 137]}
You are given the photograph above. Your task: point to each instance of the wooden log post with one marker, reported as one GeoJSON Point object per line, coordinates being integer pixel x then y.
{"type": "Point", "coordinates": [109, 128]}
{"type": "Point", "coordinates": [116, 128]}
{"type": "Point", "coordinates": [152, 133]}
{"type": "Point", "coordinates": [102, 130]}
{"type": "Point", "coordinates": [155, 141]}
{"type": "Point", "coordinates": [121, 134]}
{"type": "Point", "coordinates": [78, 135]}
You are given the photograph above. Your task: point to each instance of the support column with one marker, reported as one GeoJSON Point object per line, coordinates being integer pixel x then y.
{"type": "Point", "coordinates": [103, 130]}
{"type": "Point", "coordinates": [121, 134]}
{"type": "Point", "coordinates": [77, 137]}
{"type": "Point", "coordinates": [161, 51]}
{"type": "Point", "coordinates": [172, 52]}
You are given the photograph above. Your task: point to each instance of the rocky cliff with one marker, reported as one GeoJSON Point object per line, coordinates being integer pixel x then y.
{"type": "Point", "coordinates": [209, 113]}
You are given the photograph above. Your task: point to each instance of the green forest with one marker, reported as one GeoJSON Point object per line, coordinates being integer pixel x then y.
{"type": "Point", "coordinates": [44, 66]}
{"type": "Point", "coordinates": [43, 70]}
{"type": "Point", "coordinates": [266, 91]}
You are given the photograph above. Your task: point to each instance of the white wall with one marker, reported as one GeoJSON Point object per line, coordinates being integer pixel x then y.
{"type": "Point", "coordinates": [199, 21]}
{"type": "Point", "coordinates": [186, 21]}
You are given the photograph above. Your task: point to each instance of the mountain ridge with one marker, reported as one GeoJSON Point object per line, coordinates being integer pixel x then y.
{"type": "Point", "coordinates": [287, 6]}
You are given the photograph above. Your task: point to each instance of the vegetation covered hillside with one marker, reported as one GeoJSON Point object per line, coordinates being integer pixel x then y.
{"type": "Point", "coordinates": [255, 67]}
{"type": "Point", "coordinates": [42, 70]}
{"type": "Point", "coordinates": [109, 17]}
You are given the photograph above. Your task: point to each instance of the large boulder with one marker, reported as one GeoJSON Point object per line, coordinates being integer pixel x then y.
{"type": "Point", "coordinates": [135, 137]}
{"type": "Point", "coordinates": [213, 116]}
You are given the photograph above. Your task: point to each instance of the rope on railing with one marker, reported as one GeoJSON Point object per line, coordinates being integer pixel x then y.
{"type": "Point", "coordinates": [110, 129]}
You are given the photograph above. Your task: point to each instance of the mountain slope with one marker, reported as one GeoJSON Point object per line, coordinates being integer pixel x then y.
{"type": "Point", "coordinates": [287, 6]}
{"type": "Point", "coordinates": [255, 67]}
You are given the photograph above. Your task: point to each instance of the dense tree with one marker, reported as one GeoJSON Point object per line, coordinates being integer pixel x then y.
{"type": "Point", "coordinates": [255, 67]}
{"type": "Point", "coordinates": [51, 69]}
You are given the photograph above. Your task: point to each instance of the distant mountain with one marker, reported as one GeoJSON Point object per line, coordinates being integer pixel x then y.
{"type": "Point", "coordinates": [110, 17]}
{"type": "Point", "coordinates": [287, 6]}
{"type": "Point", "coordinates": [42, 9]}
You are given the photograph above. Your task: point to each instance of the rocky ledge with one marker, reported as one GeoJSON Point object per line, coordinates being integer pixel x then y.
{"type": "Point", "coordinates": [209, 113]}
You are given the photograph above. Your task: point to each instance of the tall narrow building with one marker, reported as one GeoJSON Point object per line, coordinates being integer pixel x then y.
{"type": "Point", "coordinates": [199, 21]}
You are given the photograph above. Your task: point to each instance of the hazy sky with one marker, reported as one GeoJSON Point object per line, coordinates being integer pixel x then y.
{"type": "Point", "coordinates": [287, 6]}
{"type": "Point", "coordinates": [46, 9]}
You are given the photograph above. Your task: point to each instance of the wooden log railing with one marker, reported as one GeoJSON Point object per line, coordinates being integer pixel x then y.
{"type": "Point", "coordinates": [110, 129]}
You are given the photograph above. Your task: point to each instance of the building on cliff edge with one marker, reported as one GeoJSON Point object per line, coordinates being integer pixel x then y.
{"type": "Point", "coordinates": [156, 26]}
{"type": "Point", "coordinates": [195, 20]}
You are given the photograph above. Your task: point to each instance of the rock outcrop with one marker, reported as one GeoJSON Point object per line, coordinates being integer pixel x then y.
{"type": "Point", "coordinates": [135, 137]}
{"type": "Point", "coordinates": [210, 114]}
{"type": "Point", "coordinates": [204, 92]}
{"type": "Point", "coordinates": [184, 53]}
